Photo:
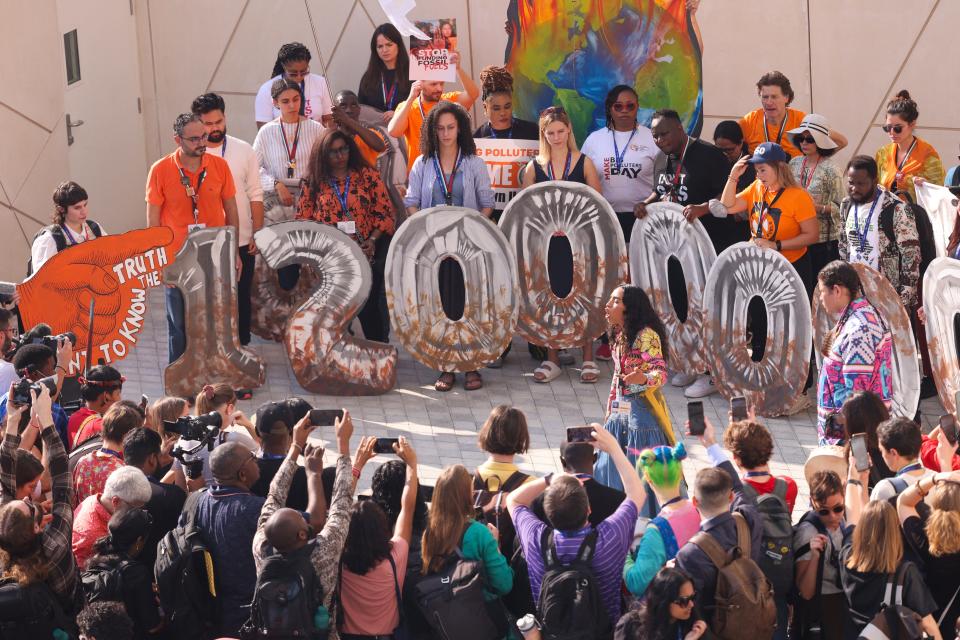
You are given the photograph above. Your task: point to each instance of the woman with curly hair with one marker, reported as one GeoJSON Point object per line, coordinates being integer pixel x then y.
{"type": "Point", "coordinates": [449, 172]}
{"type": "Point", "coordinates": [936, 541]}
{"type": "Point", "coordinates": [637, 414]}
{"type": "Point", "coordinates": [496, 91]}
{"type": "Point", "coordinates": [668, 613]}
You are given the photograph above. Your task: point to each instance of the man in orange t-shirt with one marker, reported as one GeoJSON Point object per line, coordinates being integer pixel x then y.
{"type": "Point", "coordinates": [188, 190]}
{"type": "Point", "coordinates": [424, 95]}
{"type": "Point", "coordinates": [774, 118]}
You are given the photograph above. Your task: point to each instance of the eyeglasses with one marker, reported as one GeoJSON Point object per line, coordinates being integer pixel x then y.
{"type": "Point", "coordinates": [339, 151]}
{"type": "Point", "coordinates": [195, 139]}
{"type": "Point", "coordinates": [838, 509]}
{"type": "Point", "coordinates": [804, 139]}
{"type": "Point", "coordinates": [896, 128]}
{"type": "Point", "coordinates": [297, 74]}
{"type": "Point", "coordinates": [624, 106]}
{"type": "Point", "coordinates": [685, 601]}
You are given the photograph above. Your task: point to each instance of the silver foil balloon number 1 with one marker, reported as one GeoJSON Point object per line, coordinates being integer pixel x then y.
{"type": "Point", "coordinates": [324, 357]}
{"type": "Point", "coordinates": [205, 273]}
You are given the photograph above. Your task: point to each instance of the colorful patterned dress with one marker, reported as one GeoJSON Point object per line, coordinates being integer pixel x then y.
{"type": "Point", "coordinates": [858, 358]}
{"type": "Point", "coordinates": [637, 414]}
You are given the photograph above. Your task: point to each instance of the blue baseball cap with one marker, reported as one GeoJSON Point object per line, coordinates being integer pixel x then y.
{"type": "Point", "coordinates": [768, 152]}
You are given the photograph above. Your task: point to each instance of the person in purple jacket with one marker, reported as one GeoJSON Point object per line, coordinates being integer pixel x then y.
{"type": "Point", "coordinates": [568, 509]}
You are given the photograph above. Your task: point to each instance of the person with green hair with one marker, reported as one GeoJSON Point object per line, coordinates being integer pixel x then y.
{"type": "Point", "coordinates": [677, 521]}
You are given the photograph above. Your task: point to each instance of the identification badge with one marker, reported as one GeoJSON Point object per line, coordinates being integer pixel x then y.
{"type": "Point", "coordinates": [621, 406]}
{"type": "Point", "coordinates": [349, 227]}
{"type": "Point", "coordinates": [195, 227]}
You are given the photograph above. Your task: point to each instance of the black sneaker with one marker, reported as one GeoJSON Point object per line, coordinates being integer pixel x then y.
{"type": "Point", "coordinates": [927, 388]}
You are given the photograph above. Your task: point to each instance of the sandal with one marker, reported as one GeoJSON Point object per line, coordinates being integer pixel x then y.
{"type": "Point", "coordinates": [546, 372]}
{"type": "Point", "coordinates": [445, 381]}
{"type": "Point", "coordinates": [472, 381]}
{"type": "Point", "coordinates": [589, 373]}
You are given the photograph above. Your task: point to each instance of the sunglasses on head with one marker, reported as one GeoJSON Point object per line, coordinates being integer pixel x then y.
{"type": "Point", "coordinates": [553, 110]}
{"type": "Point", "coordinates": [624, 106]}
{"type": "Point", "coordinates": [838, 509]}
{"type": "Point", "coordinates": [801, 139]}
{"type": "Point", "coordinates": [896, 128]}
{"type": "Point", "coordinates": [685, 601]}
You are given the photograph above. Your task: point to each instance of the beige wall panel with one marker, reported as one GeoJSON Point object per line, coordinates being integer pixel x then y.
{"type": "Point", "coordinates": [16, 246]}
{"type": "Point", "coordinates": [347, 60]}
{"type": "Point", "coordinates": [49, 169]}
{"type": "Point", "coordinates": [32, 65]}
{"type": "Point", "coordinates": [22, 142]}
{"type": "Point", "coordinates": [335, 22]}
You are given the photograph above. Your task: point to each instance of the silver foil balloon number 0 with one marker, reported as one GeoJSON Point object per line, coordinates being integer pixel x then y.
{"type": "Point", "coordinates": [941, 302]}
{"type": "Point", "coordinates": [205, 273]}
{"type": "Point", "coordinates": [325, 359]}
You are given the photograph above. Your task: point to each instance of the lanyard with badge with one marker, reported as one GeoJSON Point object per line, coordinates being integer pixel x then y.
{"type": "Point", "coordinates": [446, 184]}
{"type": "Point", "coordinates": [389, 97]}
{"type": "Point", "coordinates": [862, 234]}
{"type": "Point", "coordinates": [291, 152]}
{"type": "Point", "coordinates": [619, 405]}
{"type": "Point", "coordinates": [617, 156]}
{"type": "Point", "coordinates": [783, 125]}
{"type": "Point", "coordinates": [75, 240]}
{"type": "Point", "coordinates": [194, 195]}
{"type": "Point", "coordinates": [566, 167]}
{"type": "Point", "coordinates": [764, 208]}
{"type": "Point", "coordinates": [899, 176]}
{"type": "Point", "coordinates": [348, 225]}
{"type": "Point", "coordinates": [675, 181]}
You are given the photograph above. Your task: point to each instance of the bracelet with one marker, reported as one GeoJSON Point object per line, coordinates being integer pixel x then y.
{"type": "Point", "coordinates": [294, 444]}
{"type": "Point", "coordinates": [61, 367]}
{"type": "Point", "coordinates": [854, 482]}
{"type": "Point", "coordinates": [356, 472]}
{"type": "Point", "coordinates": [923, 494]}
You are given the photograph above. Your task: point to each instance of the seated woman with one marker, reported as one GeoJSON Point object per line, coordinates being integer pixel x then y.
{"type": "Point", "coordinates": [676, 523]}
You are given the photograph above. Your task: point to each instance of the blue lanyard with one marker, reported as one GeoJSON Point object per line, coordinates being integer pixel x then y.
{"type": "Point", "coordinates": [342, 197]}
{"type": "Point", "coordinates": [862, 235]}
{"type": "Point", "coordinates": [617, 156]}
{"type": "Point", "coordinates": [73, 240]}
{"type": "Point", "coordinates": [671, 501]}
{"type": "Point", "coordinates": [910, 467]}
{"type": "Point", "coordinates": [756, 474]}
{"type": "Point", "coordinates": [111, 452]}
{"type": "Point", "coordinates": [445, 184]}
{"type": "Point", "coordinates": [566, 166]}
{"type": "Point", "coordinates": [493, 132]}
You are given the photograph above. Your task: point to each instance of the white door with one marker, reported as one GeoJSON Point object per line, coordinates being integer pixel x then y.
{"type": "Point", "coordinates": [107, 156]}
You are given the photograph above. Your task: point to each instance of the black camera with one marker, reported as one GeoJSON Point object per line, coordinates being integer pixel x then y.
{"type": "Point", "coordinates": [195, 427]}
{"type": "Point", "coordinates": [49, 341]}
{"type": "Point", "coordinates": [21, 391]}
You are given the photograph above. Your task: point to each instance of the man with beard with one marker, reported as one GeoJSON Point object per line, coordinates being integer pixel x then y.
{"type": "Point", "coordinates": [424, 95]}
{"type": "Point", "coordinates": [245, 169]}
{"type": "Point", "coordinates": [691, 172]}
{"type": "Point", "coordinates": [188, 190]}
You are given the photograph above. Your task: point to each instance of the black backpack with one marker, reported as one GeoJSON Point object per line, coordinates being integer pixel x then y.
{"type": "Point", "coordinates": [777, 559]}
{"type": "Point", "coordinates": [452, 601]}
{"type": "Point", "coordinates": [928, 246]}
{"type": "Point", "coordinates": [286, 598]}
{"type": "Point", "coordinates": [894, 621]}
{"type": "Point", "coordinates": [569, 606]}
{"type": "Point", "coordinates": [103, 583]}
{"type": "Point", "coordinates": [31, 612]}
{"type": "Point", "coordinates": [806, 622]}
{"type": "Point", "coordinates": [185, 580]}
{"type": "Point", "coordinates": [60, 238]}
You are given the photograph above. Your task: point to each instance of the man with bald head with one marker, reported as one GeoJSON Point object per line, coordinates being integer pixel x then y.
{"type": "Point", "coordinates": [285, 539]}
{"type": "Point", "coordinates": [227, 517]}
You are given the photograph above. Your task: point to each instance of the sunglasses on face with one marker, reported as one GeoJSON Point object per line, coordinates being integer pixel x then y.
{"type": "Point", "coordinates": [824, 512]}
{"type": "Point", "coordinates": [685, 601]}
{"type": "Point", "coordinates": [896, 128]}
{"type": "Point", "coordinates": [804, 139]}
{"type": "Point", "coordinates": [624, 106]}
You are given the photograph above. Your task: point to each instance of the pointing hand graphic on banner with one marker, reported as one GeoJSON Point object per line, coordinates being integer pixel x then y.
{"type": "Point", "coordinates": [102, 269]}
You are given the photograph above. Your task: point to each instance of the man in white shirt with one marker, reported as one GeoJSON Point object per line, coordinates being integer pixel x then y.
{"type": "Point", "coordinates": [8, 373]}
{"type": "Point", "coordinates": [293, 63]}
{"type": "Point", "coordinates": [245, 168]}
{"type": "Point", "coordinates": [899, 440]}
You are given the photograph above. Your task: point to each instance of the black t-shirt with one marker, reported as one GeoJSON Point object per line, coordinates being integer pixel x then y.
{"type": "Point", "coordinates": [519, 130]}
{"type": "Point", "coordinates": [165, 504]}
{"type": "Point", "coordinates": [136, 581]}
{"type": "Point", "coordinates": [372, 93]}
{"type": "Point", "coordinates": [703, 175]}
{"type": "Point", "coordinates": [603, 502]}
{"type": "Point", "coordinates": [942, 572]}
{"type": "Point", "coordinates": [297, 498]}
{"type": "Point", "coordinates": [865, 591]}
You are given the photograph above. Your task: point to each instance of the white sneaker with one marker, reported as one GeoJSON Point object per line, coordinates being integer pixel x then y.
{"type": "Point", "coordinates": [702, 388]}
{"type": "Point", "coordinates": [682, 379]}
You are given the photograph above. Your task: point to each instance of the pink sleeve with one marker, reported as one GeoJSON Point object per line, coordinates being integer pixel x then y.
{"type": "Point", "coordinates": [400, 551]}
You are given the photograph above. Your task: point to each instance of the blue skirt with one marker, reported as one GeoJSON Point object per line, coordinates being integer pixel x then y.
{"type": "Point", "coordinates": [634, 432]}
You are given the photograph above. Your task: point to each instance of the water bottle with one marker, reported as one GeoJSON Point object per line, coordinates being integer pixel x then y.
{"type": "Point", "coordinates": [321, 619]}
{"type": "Point", "coordinates": [527, 625]}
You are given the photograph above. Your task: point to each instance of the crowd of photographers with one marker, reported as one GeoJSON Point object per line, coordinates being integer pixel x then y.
{"type": "Point", "coordinates": [186, 519]}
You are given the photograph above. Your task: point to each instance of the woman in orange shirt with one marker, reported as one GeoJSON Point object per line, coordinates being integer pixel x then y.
{"type": "Point", "coordinates": [907, 157]}
{"type": "Point", "coordinates": [342, 190]}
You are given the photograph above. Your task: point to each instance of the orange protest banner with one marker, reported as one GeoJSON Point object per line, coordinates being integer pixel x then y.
{"type": "Point", "coordinates": [505, 160]}
{"type": "Point", "coordinates": [115, 272]}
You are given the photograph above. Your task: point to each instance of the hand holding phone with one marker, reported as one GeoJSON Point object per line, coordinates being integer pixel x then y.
{"type": "Point", "coordinates": [695, 416]}
{"type": "Point", "coordinates": [385, 445]}
{"type": "Point", "coordinates": [948, 425]}
{"type": "Point", "coordinates": [858, 445]}
{"type": "Point", "coordinates": [579, 434]}
{"type": "Point", "coordinates": [325, 417]}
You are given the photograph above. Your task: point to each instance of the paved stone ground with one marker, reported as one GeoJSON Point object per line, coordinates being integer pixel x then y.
{"type": "Point", "coordinates": [444, 426]}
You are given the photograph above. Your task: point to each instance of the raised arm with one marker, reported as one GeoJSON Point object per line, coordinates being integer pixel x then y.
{"type": "Point", "coordinates": [398, 123]}
{"type": "Point", "coordinates": [8, 451]}
{"type": "Point", "coordinates": [729, 198]}
{"type": "Point", "coordinates": [471, 91]}
{"type": "Point", "coordinates": [632, 484]}
{"type": "Point", "coordinates": [408, 501]}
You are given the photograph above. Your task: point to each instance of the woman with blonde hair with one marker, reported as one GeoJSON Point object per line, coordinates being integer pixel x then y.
{"type": "Point", "coordinates": [936, 542]}
{"type": "Point", "coordinates": [872, 557]}
{"type": "Point", "coordinates": [559, 159]}
{"type": "Point", "coordinates": [451, 528]}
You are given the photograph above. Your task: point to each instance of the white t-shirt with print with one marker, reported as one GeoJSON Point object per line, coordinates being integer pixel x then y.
{"type": "Point", "coordinates": [858, 215]}
{"type": "Point", "coordinates": [316, 98]}
{"type": "Point", "coordinates": [633, 181]}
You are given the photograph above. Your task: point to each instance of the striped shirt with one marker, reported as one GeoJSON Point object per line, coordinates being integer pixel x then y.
{"type": "Point", "coordinates": [613, 539]}
{"type": "Point", "coordinates": [56, 537]}
{"type": "Point", "coordinates": [273, 156]}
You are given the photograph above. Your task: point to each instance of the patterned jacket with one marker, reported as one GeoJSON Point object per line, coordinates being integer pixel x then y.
{"type": "Point", "coordinates": [899, 260]}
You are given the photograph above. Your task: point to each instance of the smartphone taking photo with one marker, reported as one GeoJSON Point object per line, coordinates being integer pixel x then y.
{"type": "Point", "coordinates": [325, 417]}
{"type": "Point", "coordinates": [948, 424]}
{"type": "Point", "coordinates": [738, 408]}
{"type": "Point", "coordinates": [695, 416]}
{"type": "Point", "coordinates": [385, 445]}
{"type": "Point", "coordinates": [579, 434]}
{"type": "Point", "coordinates": [861, 457]}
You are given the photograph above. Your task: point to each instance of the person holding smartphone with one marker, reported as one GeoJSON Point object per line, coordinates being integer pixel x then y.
{"type": "Point", "coordinates": [637, 414]}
